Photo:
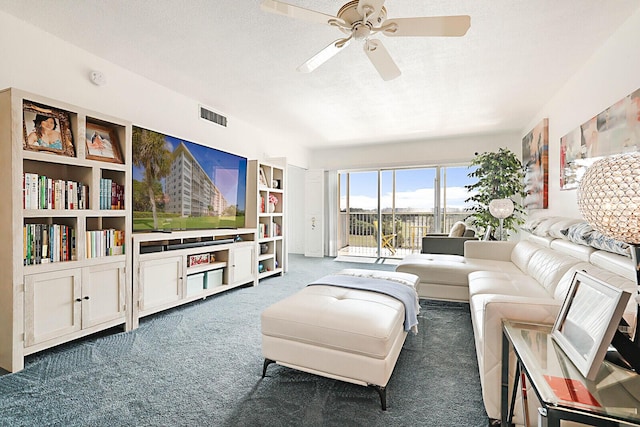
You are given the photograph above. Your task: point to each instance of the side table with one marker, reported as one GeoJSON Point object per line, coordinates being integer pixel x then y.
{"type": "Point", "coordinates": [612, 399]}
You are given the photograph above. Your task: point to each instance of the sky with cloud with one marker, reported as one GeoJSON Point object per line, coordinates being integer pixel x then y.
{"type": "Point", "coordinates": [414, 189]}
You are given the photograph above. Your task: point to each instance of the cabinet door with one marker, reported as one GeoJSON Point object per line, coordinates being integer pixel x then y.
{"type": "Point", "coordinates": [103, 294]}
{"type": "Point", "coordinates": [314, 209]}
{"type": "Point", "coordinates": [52, 306]}
{"type": "Point", "coordinates": [160, 282]}
{"type": "Point", "coordinates": [242, 264]}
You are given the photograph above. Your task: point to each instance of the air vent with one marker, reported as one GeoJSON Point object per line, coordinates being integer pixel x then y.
{"type": "Point", "coordinates": [210, 116]}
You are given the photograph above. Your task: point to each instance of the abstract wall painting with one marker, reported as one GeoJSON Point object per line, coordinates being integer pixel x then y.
{"type": "Point", "coordinates": [535, 159]}
{"type": "Point", "coordinates": [616, 130]}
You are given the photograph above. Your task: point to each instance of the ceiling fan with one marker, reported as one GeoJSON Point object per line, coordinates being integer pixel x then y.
{"type": "Point", "coordinates": [361, 19]}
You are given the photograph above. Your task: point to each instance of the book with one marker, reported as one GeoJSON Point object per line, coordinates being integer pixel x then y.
{"type": "Point", "coordinates": [571, 390]}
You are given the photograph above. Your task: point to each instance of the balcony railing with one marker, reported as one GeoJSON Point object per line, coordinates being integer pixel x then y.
{"type": "Point", "coordinates": [402, 232]}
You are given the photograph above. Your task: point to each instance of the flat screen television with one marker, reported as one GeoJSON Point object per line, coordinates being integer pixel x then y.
{"type": "Point", "coordinates": [181, 185]}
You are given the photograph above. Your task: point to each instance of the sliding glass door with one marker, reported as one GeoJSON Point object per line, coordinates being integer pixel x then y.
{"type": "Point", "coordinates": [385, 213]}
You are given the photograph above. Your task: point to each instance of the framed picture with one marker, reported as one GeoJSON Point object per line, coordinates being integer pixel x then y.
{"type": "Point", "coordinates": [102, 143]}
{"type": "Point", "coordinates": [587, 321]}
{"type": "Point", "coordinates": [535, 158]}
{"type": "Point", "coordinates": [47, 129]}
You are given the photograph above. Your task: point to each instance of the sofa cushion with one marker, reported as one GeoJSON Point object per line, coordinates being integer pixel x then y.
{"type": "Point", "coordinates": [450, 270]}
{"type": "Point", "coordinates": [619, 264]}
{"type": "Point", "coordinates": [522, 253]}
{"type": "Point", "coordinates": [548, 266]}
{"type": "Point", "coordinates": [447, 269]}
{"type": "Point", "coordinates": [569, 248]}
{"type": "Point", "coordinates": [500, 283]}
{"type": "Point", "coordinates": [541, 241]}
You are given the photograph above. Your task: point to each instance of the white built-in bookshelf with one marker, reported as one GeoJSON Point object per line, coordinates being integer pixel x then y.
{"type": "Point", "coordinates": [266, 212]}
{"type": "Point", "coordinates": [64, 268]}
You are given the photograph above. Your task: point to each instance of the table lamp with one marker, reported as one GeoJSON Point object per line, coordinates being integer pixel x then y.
{"type": "Point", "coordinates": [501, 209]}
{"type": "Point", "coordinates": [609, 200]}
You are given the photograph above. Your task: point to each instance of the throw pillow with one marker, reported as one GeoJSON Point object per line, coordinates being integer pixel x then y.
{"type": "Point", "coordinates": [556, 230]}
{"type": "Point", "coordinates": [600, 241]}
{"type": "Point", "coordinates": [532, 223]}
{"type": "Point", "coordinates": [579, 233]}
{"type": "Point", "coordinates": [545, 225]}
{"type": "Point", "coordinates": [458, 229]}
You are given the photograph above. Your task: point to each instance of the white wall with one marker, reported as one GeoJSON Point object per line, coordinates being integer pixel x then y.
{"type": "Point", "coordinates": [416, 153]}
{"type": "Point", "coordinates": [612, 73]}
{"type": "Point", "coordinates": [38, 62]}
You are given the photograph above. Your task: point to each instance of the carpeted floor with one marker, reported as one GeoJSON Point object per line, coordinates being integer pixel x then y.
{"type": "Point", "coordinates": [200, 365]}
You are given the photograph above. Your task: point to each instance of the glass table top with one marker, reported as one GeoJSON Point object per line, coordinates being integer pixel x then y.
{"type": "Point", "coordinates": [615, 391]}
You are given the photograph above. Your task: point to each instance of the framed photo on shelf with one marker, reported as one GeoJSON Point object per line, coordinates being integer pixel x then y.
{"type": "Point", "coordinates": [263, 177]}
{"type": "Point", "coordinates": [47, 129]}
{"type": "Point", "coordinates": [102, 143]}
{"type": "Point", "coordinates": [587, 321]}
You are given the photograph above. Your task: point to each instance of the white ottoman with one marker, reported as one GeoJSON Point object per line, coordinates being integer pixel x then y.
{"type": "Point", "coordinates": [347, 334]}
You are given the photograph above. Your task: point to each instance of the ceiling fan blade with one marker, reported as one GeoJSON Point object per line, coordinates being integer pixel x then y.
{"type": "Point", "coordinates": [324, 55]}
{"type": "Point", "coordinates": [285, 9]}
{"type": "Point", "coordinates": [380, 58]}
{"type": "Point", "coordinates": [433, 26]}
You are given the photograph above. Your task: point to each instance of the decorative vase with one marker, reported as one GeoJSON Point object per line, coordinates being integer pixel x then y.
{"type": "Point", "coordinates": [264, 248]}
{"type": "Point", "coordinates": [272, 207]}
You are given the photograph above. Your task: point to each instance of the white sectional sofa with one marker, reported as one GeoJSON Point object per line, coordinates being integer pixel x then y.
{"type": "Point", "coordinates": [525, 280]}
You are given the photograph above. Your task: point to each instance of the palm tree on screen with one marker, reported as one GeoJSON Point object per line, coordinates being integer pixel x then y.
{"type": "Point", "coordinates": [150, 152]}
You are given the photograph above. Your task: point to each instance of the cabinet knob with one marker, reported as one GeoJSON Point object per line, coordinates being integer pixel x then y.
{"type": "Point", "coordinates": [78, 300]}
{"type": "Point", "coordinates": [87, 297]}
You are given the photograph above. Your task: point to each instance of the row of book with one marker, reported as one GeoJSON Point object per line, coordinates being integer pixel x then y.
{"type": "Point", "coordinates": [101, 243]}
{"type": "Point", "coordinates": [41, 192]}
{"type": "Point", "coordinates": [264, 232]}
{"type": "Point", "coordinates": [44, 243]}
{"type": "Point", "coordinates": [111, 194]}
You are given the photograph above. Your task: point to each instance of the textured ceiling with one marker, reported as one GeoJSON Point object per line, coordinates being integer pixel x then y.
{"type": "Point", "coordinates": [241, 61]}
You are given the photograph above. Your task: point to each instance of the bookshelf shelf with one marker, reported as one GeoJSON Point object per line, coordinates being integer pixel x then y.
{"type": "Point", "coordinates": [54, 290]}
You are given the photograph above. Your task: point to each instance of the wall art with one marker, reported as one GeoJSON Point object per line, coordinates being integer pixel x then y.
{"type": "Point", "coordinates": [535, 159]}
{"type": "Point", "coordinates": [47, 129]}
{"type": "Point", "coordinates": [102, 143]}
{"type": "Point", "coordinates": [616, 130]}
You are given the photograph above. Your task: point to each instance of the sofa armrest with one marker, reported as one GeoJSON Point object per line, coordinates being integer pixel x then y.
{"type": "Point", "coordinates": [487, 313]}
{"type": "Point", "coordinates": [481, 249]}
{"type": "Point", "coordinates": [444, 245]}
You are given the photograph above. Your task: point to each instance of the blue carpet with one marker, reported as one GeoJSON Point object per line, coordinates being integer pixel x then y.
{"type": "Point", "coordinates": [201, 365]}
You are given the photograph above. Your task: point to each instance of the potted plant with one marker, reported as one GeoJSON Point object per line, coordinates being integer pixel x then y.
{"type": "Point", "coordinates": [500, 176]}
